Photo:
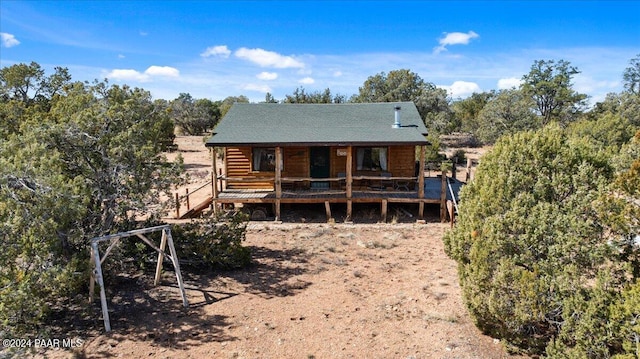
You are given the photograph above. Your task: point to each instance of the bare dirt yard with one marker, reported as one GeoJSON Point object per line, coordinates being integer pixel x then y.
{"type": "Point", "coordinates": [315, 290]}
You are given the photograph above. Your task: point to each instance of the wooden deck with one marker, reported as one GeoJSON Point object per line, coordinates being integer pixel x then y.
{"type": "Point", "coordinates": [434, 190]}
{"type": "Point", "coordinates": [432, 194]}
{"type": "Point", "coordinates": [320, 196]}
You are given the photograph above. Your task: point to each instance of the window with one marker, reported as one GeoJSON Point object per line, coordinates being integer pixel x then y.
{"type": "Point", "coordinates": [264, 159]}
{"type": "Point", "coordinates": [371, 158]}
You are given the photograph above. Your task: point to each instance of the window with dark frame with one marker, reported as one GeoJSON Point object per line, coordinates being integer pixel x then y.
{"type": "Point", "coordinates": [371, 159]}
{"type": "Point", "coordinates": [264, 159]}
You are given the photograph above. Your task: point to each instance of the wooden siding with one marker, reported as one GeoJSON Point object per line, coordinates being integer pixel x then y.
{"type": "Point", "coordinates": [402, 161]}
{"type": "Point", "coordinates": [296, 164]}
{"type": "Point", "coordinates": [238, 165]}
{"type": "Point", "coordinates": [338, 163]}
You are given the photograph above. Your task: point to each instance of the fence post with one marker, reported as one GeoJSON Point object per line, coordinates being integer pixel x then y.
{"type": "Point", "coordinates": [443, 197]}
{"type": "Point", "coordinates": [187, 195]}
{"type": "Point", "coordinates": [177, 205]}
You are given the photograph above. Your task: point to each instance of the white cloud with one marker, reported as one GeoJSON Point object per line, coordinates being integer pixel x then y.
{"type": "Point", "coordinates": [307, 81]}
{"type": "Point", "coordinates": [220, 50]}
{"type": "Point", "coordinates": [257, 88]}
{"type": "Point", "coordinates": [596, 89]}
{"type": "Point", "coordinates": [587, 84]}
{"type": "Point", "coordinates": [458, 38]}
{"type": "Point", "coordinates": [8, 40]}
{"type": "Point", "coordinates": [337, 74]}
{"type": "Point", "coordinates": [231, 76]}
{"type": "Point", "coordinates": [121, 56]}
{"type": "Point", "coordinates": [266, 58]}
{"type": "Point", "coordinates": [454, 38]}
{"type": "Point", "coordinates": [152, 71]}
{"type": "Point", "coordinates": [507, 83]}
{"type": "Point", "coordinates": [162, 71]}
{"type": "Point", "coordinates": [461, 89]}
{"type": "Point", "coordinates": [267, 76]}
{"type": "Point", "coordinates": [127, 74]}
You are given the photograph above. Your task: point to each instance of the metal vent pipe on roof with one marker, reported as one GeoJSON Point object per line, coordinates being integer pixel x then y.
{"type": "Point", "coordinates": [396, 123]}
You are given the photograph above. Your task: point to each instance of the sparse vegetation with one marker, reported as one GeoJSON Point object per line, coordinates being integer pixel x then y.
{"type": "Point", "coordinates": [546, 240]}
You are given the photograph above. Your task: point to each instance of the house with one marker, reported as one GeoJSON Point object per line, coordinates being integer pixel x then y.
{"type": "Point", "coordinates": [321, 153]}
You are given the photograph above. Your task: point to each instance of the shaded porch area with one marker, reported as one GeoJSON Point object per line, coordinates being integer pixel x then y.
{"type": "Point", "coordinates": [436, 190]}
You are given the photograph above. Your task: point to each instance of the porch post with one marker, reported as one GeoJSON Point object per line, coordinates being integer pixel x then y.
{"type": "Point", "coordinates": [278, 181]}
{"type": "Point", "coordinates": [383, 211]}
{"type": "Point", "coordinates": [214, 179]}
{"type": "Point", "coordinates": [349, 184]}
{"type": "Point", "coordinates": [421, 182]}
{"type": "Point", "coordinates": [443, 196]}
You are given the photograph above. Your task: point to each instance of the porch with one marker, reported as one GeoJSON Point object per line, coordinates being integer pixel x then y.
{"type": "Point", "coordinates": [372, 191]}
{"type": "Point", "coordinates": [347, 188]}
{"type": "Point", "coordinates": [440, 190]}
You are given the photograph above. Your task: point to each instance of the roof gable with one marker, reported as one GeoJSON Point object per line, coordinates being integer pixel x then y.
{"type": "Point", "coordinates": [318, 124]}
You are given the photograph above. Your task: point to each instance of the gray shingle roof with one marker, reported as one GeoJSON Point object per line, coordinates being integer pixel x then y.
{"type": "Point", "coordinates": [319, 125]}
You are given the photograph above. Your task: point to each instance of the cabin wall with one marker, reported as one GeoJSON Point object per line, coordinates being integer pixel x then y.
{"type": "Point", "coordinates": [338, 163]}
{"type": "Point", "coordinates": [238, 165]}
{"type": "Point", "coordinates": [402, 161]}
{"type": "Point", "coordinates": [296, 164]}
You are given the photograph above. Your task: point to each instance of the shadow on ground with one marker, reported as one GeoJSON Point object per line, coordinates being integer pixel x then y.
{"type": "Point", "coordinates": [365, 213]}
{"type": "Point", "coordinates": [142, 312]}
{"type": "Point", "coordinates": [273, 272]}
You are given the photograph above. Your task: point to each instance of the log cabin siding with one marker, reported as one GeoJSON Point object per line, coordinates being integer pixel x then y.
{"type": "Point", "coordinates": [296, 162]}
{"type": "Point", "coordinates": [238, 165]}
{"type": "Point", "coordinates": [338, 165]}
{"type": "Point", "coordinates": [401, 163]}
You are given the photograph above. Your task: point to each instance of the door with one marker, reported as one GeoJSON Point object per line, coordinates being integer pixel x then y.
{"type": "Point", "coordinates": [320, 165]}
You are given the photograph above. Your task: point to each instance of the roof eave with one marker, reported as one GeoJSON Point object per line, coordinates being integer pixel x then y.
{"type": "Point", "coordinates": [318, 144]}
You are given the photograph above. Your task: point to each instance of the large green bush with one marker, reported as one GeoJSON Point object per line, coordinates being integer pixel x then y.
{"type": "Point", "coordinates": [602, 321]}
{"type": "Point", "coordinates": [547, 245]}
{"type": "Point", "coordinates": [529, 238]}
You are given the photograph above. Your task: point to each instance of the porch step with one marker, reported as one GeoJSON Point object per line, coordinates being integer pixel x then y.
{"type": "Point", "coordinates": [194, 211]}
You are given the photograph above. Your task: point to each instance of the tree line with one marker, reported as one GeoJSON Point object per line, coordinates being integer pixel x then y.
{"type": "Point", "coordinates": [545, 95]}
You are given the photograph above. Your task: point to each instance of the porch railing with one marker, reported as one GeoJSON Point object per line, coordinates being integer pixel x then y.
{"type": "Point", "coordinates": [185, 197]}
{"type": "Point", "coordinates": [312, 179]}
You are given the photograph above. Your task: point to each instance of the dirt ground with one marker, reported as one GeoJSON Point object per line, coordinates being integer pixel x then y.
{"type": "Point", "coordinates": [315, 290]}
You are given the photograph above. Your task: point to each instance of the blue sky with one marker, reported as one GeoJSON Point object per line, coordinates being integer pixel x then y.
{"type": "Point", "coordinates": [215, 49]}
